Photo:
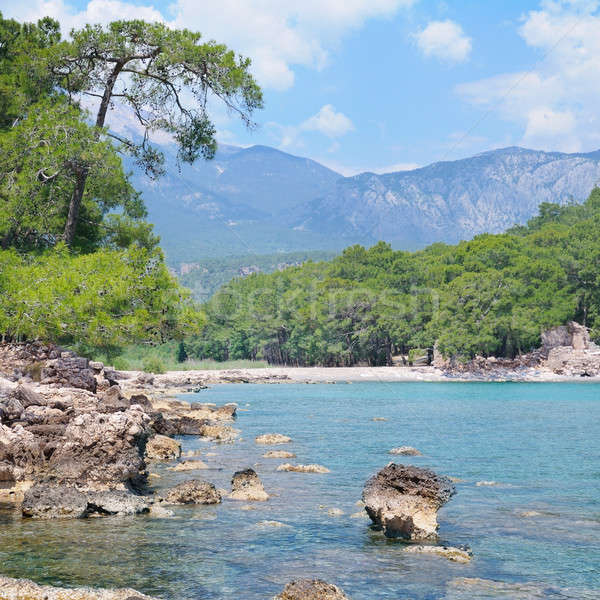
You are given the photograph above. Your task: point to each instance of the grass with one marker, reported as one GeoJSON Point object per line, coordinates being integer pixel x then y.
{"type": "Point", "coordinates": [161, 358]}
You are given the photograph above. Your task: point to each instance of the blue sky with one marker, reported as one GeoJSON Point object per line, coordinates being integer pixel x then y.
{"type": "Point", "coordinates": [389, 84]}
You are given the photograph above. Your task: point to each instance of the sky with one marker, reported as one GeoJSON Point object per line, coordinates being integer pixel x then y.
{"type": "Point", "coordinates": [388, 85]}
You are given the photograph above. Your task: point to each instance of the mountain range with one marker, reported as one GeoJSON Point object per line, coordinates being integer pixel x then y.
{"type": "Point", "coordinates": [260, 200]}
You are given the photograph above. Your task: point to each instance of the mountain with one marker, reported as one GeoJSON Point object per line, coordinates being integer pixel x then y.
{"type": "Point", "coordinates": [260, 200]}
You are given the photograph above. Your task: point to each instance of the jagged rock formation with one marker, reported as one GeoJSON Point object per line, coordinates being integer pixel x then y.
{"type": "Point", "coordinates": [245, 485]}
{"type": "Point", "coordinates": [194, 491]}
{"type": "Point", "coordinates": [311, 589]}
{"type": "Point", "coordinates": [162, 447]}
{"type": "Point", "coordinates": [403, 501]}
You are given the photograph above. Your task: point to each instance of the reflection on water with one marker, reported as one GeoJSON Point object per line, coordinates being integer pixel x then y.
{"type": "Point", "coordinates": [538, 529]}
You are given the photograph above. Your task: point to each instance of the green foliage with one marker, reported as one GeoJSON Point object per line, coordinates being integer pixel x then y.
{"type": "Point", "coordinates": [493, 295]}
{"type": "Point", "coordinates": [182, 355]}
{"type": "Point", "coordinates": [153, 364]}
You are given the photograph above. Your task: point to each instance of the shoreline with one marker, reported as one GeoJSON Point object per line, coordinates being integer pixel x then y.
{"type": "Point", "coordinates": [175, 380]}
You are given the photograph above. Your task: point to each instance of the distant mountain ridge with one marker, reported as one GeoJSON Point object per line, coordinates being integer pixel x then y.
{"type": "Point", "coordinates": [261, 200]}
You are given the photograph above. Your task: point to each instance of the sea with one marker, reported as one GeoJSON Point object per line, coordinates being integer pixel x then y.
{"type": "Point", "coordinates": [526, 457]}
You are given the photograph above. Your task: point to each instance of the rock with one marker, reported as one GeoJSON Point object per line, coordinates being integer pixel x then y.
{"type": "Point", "coordinates": [70, 371]}
{"type": "Point", "coordinates": [406, 451]}
{"type": "Point", "coordinates": [28, 397]}
{"type": "Point", "coordinates": [160, 512]}
{"type": "Point", "coordinates": [112, 400]}
{"type": "Point", "coordinates": [245, 485]}
{"type": "Point", "coordinates": [24, 589]}
{"type": "Point", "coordinates": [403, 501]}
{"type": "Point", "coordinates": [276, 524]}
{"type": "Point", "coordinates": [194, 491]}
{"type": "Point", "coordinates": [96, 365]}
{"type": "Point", "coordinates": [47, 501]}
{"type": "Point", "coordinates": [190, 465]}
{"type": "Point", "coordinates": [335, 512]}
{"type": "Point", "coordinates": [116, 502]}
{"type": "Point", "coordinates": [459, 555]}
{"type": "Point", "coordinates": [311, 589]}
{"type": "Point", "coordinates": [219, 433]}
{"type": "Point", "coordinates": [279, 454]}
{"type": "Point", "coordinates": [303, 468]}
{"type": "Point", "coordinates": [273, 439]}
{"type": "Point", "coordinates": [161, 447]}
{"type": "Point", "coordinates": [11, 409]}
{"type": "Point", "coordinates": [487, 483]}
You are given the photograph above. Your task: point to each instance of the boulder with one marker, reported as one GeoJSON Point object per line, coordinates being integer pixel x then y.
{"type": "Point", "coordinates": [28, 397]}
{"type": "Point", "coordinates": [459, 555]}
{"type": "Point", "coordinates": [24, 589]}
{"type": "Point", "coordinates": [311, 589]}
{"type": "Point", "coordinates": [161, 447]}
{"type": "Point", "coordinates": [279, 454]}
{"type": "Point", "coordinates": [273, 439]}
{"type": "Point", "coordinates": [219, 433]}
{"type": "Point", "coordinates": [403, 501]}
{"type": "Point", "coordinates": [70, 371]}
{"type": "Point", "coordinates": [194, 491]}
{"type": "Point", "coordinates": [48, 501]}
{"type": "Point", "coordinates": [245, 485]}
{"type": "Point", "coordinates": [116, 502]}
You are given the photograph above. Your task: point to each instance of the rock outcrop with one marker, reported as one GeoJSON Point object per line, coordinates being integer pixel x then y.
{"type": "Point", "coordinates": [273, 439]}
{"type": "Point", "coordinates": [459, 555]}
{"type": "Point", "coordinates": [403, 501]}
{"type": "Point", "coordinates": [194, 491]}
{"type": "Point", "coordinates": [406, 451]}
{"type": "Point", "coordinates": [303, 468]}
{"type": "Point", "coordinates": [24, 589]}
{"type": "Point", "coordinates": [311, 589]}
{"type": "Point", "coordinates": [245, 485]}
{"type": "Point", "coordinates": [161, 447]}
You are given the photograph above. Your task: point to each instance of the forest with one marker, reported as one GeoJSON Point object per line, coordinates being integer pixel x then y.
{"type": "Point", "coordinates": [491, 296]}
{"type": "Point", "coordinates": [79, 264]}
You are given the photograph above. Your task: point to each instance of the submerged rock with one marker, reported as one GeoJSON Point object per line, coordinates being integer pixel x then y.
{"type": "Point", "coordinates": [406, 451]}
{"type": "Point", "coordinates": [24, 589]}
{"type": "Point", "coordinates": [162, 447]}
{"type": "Point", "coordinates": [245, 485]}
{"type": "Point", "coordinates": [311, 589]}
{"type": "Point", "coordinates": [303, 468]}
{"type": "Point", "coordinates": [403, 501]}
{"type": "Point", "coordinates": [279, 454]}
{"type": "Point", "coordinates": [273, 439]}
{"type": "Point", "coordinates": [190, 465]}
{"type": "Point", "coordinates": [194, 491]}
{"type": "Point", "coordinates": [459, 555]}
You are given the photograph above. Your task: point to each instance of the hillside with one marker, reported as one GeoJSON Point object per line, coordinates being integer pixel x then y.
{"type": "Point", "coordinates": [259, 200]}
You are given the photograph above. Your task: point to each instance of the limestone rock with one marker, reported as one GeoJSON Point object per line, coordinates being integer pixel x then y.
{"type": "Point", "coordinates": [279, 454]}
{"type": "Point", "coordinates": [459, 555]}
{"type": "Point", "coordinates": [194, 491]}
{"type": "Point", "coordinates": [47, 501]}
{"type": "Point", "coordinates": [116, 502]}
{"type": "Point", "coordinates": [70, 371]}
{"type": "Point", "coordinates": [403, 501]}
{"type": "Point", "coordinates": [24, 589]}
{"type": "Point", "coordinates": [273, 439]}
{"type": "Point", "coordinates": [219, 433]}
{"type": "Point", "coordinates": [245, 485]}
{"type": "Point", "coordinates": [190, 465]}
{"type": "Point", "coordinates": [406, 451]}
{"type": "Point", "coordinates": [161, 447]}
{"type": "Point", "coordinates": [303, 468]}
{"type": "Point", "coordinates": [311, 589]}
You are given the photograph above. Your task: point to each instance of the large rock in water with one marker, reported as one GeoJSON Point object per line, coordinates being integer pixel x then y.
{"type": "Point", "coordinates": [307, 589]}
{"type": "Point", "coordinates": [194, 491]}
{"type": "Point", "coordinates": [161, 447]}
{"type": "Point", "coordinates": [403, 501]}
{"type": "Point", "coordinates": [245, 485]}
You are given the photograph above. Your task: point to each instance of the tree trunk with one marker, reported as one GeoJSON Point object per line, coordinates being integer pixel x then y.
{"type": "Point", "coordinates": [74, 207]}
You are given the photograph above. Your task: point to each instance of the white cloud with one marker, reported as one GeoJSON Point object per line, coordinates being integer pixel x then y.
{"type": "Point", "coordinates": [328, 122]}
{"type": "Point", "coordinates": [349, 171]}
{"type": "Point", "coordinates": [554, 104]}
{"type": "Point", "coordinates": [277, 34]}
{"type": "Point", "coordinates": [445, 40]}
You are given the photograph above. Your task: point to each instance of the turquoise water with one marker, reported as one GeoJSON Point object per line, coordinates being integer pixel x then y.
{"type": "Point", "coordinates": [538, 442]}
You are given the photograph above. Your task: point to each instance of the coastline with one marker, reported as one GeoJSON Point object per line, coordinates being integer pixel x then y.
{"type": "Point", "coordinates": [175, 380]}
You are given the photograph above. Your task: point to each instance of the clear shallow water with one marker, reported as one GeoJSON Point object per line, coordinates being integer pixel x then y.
{"type": "Point", "coordinates": [539, 442]}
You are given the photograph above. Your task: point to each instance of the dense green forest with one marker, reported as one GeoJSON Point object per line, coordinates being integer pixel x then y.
{"type": "Point", "coordinates": [493, 295]}
{"type": "Point", "coordinates": [79, 264]}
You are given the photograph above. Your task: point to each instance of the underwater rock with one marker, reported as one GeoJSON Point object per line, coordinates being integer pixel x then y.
{"type": "Point", "coordinates": [194, 491]}
{"type": "Point", "coordinates": [311, 589]}
{"type": "Point", "coordinates": [190, 465]}
{"type": "Point", "coordinates": [24, 589]}
{"type": "Point", "coordinates": [273, 439]}
{"type": "Point", "coordinates": [303, 468]}
{"type": "Point", "coordinates": [403, 501]}
{"type": "Point", "coordinates": [162, 447]}
{"type": "Point", "coordinates": [459, 555]}
{"type": "Point", "coordinates": [245, 485]}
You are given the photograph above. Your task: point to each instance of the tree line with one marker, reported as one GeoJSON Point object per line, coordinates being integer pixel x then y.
{"type": "Point", "coordinates": [491, 296]}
